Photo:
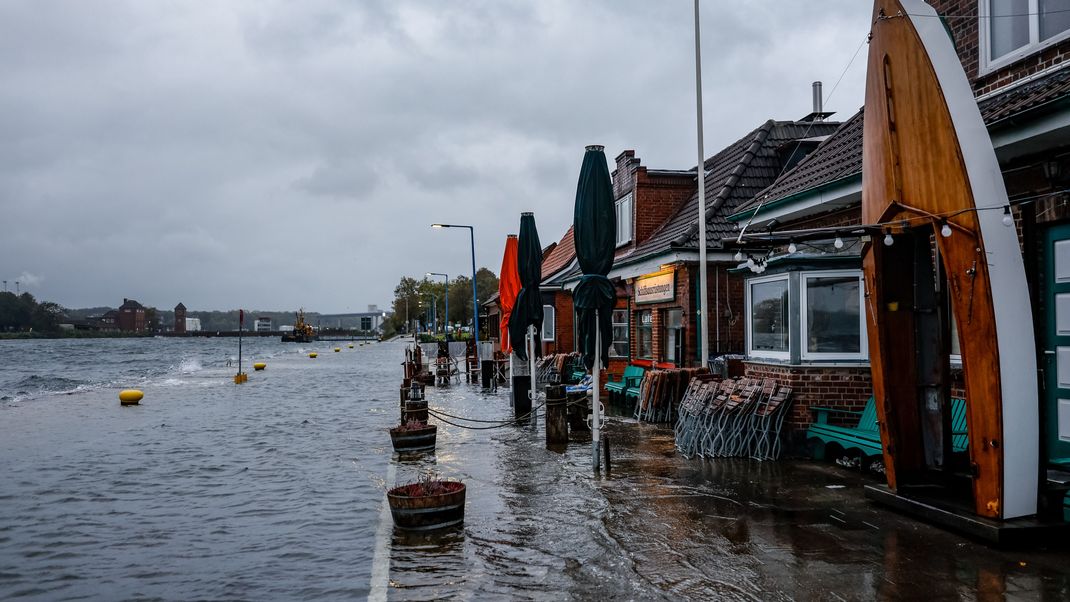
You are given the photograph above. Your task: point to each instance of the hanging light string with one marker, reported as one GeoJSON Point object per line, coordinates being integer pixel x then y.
{"type": "Point", "coordinates": [938, 16]}
{"type": "Point", "coordinates": [859, 230]}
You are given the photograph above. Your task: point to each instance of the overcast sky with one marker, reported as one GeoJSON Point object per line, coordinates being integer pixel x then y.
{"type": "Point", "coordinates": [272, 155]}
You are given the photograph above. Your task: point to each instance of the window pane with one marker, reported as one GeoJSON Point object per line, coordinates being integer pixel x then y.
{"type": "Point", "coordinates": [833, 315]}
{"type": "Point", "coordinates": [769, 315]}
{"type": "Point", "coordinates": [624, 219]}
{"type": "Point", "coordinates": [645, 334]}
{"type": "Point", "coordinates": [673, 335]}
{"type": "Point", "coordinates": [1054, 18]}
{"type": "Point", "coordinates": [620, 334]}
{"type": "Point", "coordinates": [1009, 26]}
{"type": "Point", "coordinates": [548, 322]}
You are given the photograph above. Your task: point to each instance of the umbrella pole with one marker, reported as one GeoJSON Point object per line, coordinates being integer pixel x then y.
{"type": "Point", "coordinates": [596, 418]}
{"type": "Point", "coordinates": [533, 394]}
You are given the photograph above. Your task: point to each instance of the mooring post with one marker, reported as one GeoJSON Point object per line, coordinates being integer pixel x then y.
{"type": "Point", "coordinates": [556, 418]}
{"type": "Point", "coordinates": [487, 368]}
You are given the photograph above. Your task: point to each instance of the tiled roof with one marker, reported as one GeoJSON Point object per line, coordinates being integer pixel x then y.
{"type": "Point", "coordinates": [837, 157]}
{"type": "Point", "coordinates": [1031, 95]}
{"type": "Point", "coordinates": [733, 176]}
{"type": "Point", "coordinates": [560, 256]}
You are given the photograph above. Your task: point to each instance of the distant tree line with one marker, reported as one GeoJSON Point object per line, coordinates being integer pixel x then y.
{"type": "Point", "coordinates": [22, 313]}
{"type": "Point", "coordinates": [422, 303]}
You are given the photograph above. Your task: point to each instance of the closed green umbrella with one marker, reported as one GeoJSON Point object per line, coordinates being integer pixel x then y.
{"type": "Point", "coordinates": [595, 231]}
{"type": "Point", "coordinates": [528, 308]}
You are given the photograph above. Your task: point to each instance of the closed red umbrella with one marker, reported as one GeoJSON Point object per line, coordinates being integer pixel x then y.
{"type": "Point", "coordinates": [508, 287]}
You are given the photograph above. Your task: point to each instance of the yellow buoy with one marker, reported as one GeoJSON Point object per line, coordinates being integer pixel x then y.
{"type": "Point", "coordinates": [351, 345]}
{"type": "Point", "coordinates": [130, 397]}
{"type": "Point", "coordinates": [337, 349]}
{"type": "Point", "coordinates": [313, 355]}
{"type": "Point", "coordinates": [259, 366]}
{"type": "Point", "coordinates": [240, 377]}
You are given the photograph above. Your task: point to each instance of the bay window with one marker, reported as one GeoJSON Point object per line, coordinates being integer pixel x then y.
{"type": "Point", "coordinates": [807, 316]}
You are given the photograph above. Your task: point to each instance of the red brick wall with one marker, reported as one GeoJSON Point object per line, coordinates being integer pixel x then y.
{"type": "Point", "coordinates": [564, 332]}
{"type": "Point", "coordinates": [833, 387]}
{"type": "Point", "coordinates": [965, 32]}
{"type": "Point", "coordinates": [657, 198]}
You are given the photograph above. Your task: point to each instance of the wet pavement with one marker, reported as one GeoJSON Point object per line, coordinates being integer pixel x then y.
{"type": "Point", "coordinates": [660, 526]}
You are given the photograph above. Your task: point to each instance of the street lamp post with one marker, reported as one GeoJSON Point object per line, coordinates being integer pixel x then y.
{"type": "Point", "coordinates": [447, 301]}
{"type": "Point", "coordinates": [475, 298]}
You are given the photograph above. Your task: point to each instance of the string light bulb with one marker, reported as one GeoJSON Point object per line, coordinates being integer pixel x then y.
{"type": "Point", "coordinates": [945, 230]}
{"type": "Point", "coordinates": [1008, 219]}
{"type": "Point", "coordinates": [739, 256]}
{"type": "Point", "coordinates": [888, 240]}
{"type": "Point", "coordinates": [791, 247]}
{"type": "Point", "coordinates": [838, 243]}
{"type": "Point", "coordinates": [750, 262]}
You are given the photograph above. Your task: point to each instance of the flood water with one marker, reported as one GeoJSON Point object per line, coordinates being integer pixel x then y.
{"type": "Point", "coordinates": [275, 489]}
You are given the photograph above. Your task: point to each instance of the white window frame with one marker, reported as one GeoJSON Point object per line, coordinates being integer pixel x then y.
{"type": "Point", "coordinates": [551, 311]}
{"type": "Point", "coordinates": [863, 341]}
{"type": "Point", "coordinates": [627, 329]}
{"type": "Point", "coordinates": [765, 353]}
{"type": "Point", "coordinates": [984, 35]}
{"type": "Point", "coordinates": [629, 233]}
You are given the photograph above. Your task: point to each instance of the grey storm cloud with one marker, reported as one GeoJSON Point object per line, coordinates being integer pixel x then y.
{"type": "Point", "coordinates": [278, 154]}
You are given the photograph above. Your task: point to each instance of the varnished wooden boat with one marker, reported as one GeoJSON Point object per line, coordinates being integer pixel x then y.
{"type": "Point", "coordinates": [927, 154]}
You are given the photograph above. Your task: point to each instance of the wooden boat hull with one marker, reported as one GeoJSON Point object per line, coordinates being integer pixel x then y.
{"type": "Point", "coordinates": [927, 154]}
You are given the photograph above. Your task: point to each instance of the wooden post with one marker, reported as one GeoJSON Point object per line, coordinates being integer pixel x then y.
{"type": "Point", "coordinates": [556, 418]}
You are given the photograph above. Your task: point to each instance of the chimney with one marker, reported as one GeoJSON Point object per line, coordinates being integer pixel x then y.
{"type": "Point", "coordinates": [818, 109]}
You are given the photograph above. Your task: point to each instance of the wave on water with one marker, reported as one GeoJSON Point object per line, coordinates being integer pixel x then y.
{"type": "Point", "coordinates": [190, 365]}
{"type": "Point", "coordinates": [44, 384]}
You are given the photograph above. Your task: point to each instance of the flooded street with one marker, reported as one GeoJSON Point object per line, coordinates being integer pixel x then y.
{"type": "Point", "coordinates": [275, 490]}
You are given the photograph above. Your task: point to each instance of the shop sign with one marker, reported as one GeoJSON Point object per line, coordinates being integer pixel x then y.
{"type": "Point", "coordinates": [655, 288]}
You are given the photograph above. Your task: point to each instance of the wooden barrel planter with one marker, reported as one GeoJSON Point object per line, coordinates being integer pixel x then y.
{"type": "Point", "coordinates": [427, 505]}
{"type": "Point", "coordinates": [415, 436]}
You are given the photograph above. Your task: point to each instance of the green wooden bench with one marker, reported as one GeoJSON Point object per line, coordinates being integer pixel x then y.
{"type": "Point", "coordinates": [866, 437]}
{"type": "Point", "coordinates": [634, 383]}
{"type": "Point", "coordinates": [620, 387]}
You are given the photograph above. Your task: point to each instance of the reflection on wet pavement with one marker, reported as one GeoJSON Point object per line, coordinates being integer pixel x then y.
{"type": "Point", "coordinates": [540, 525]}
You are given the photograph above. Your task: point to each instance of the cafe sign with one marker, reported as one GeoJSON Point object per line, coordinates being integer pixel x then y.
{"type": "Point", "coordinates": [655, 288]}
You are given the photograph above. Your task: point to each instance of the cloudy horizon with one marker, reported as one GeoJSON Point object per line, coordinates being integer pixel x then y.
{"type": "Point", "coordinates": [274, 155]}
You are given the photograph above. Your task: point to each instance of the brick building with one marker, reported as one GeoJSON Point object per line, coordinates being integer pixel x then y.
{"type": "Point", "coordinates": [131, 316]}
{"type": "Point", "coordinates": [656, 269]}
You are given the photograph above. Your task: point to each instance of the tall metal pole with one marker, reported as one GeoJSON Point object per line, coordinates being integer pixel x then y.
{"type": "Point", "coordinates": [475, 297]}
{"type": "Point", "coordinates": [447, 307]}
{"type": "Point", "coordinates": [596, 416]}
{"type": "Point", "coordinates": [704, 329]}
{"type": "Point", "coordinates": [533, 393]}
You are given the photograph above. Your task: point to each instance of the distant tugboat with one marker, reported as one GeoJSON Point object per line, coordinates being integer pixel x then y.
{"type": "Point", "coordinates": [302, 332]}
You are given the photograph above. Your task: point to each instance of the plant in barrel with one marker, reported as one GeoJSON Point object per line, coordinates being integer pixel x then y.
{"type": "Point", "coordinates": [429, 503]}
{"type": "Point", "coordinates": [595, 230]}
{"type": "Point", "coordinates": [526, 316]}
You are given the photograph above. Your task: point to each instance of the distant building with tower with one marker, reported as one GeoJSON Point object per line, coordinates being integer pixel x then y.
{"type": "Point", "coordinates": [180, 318]}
